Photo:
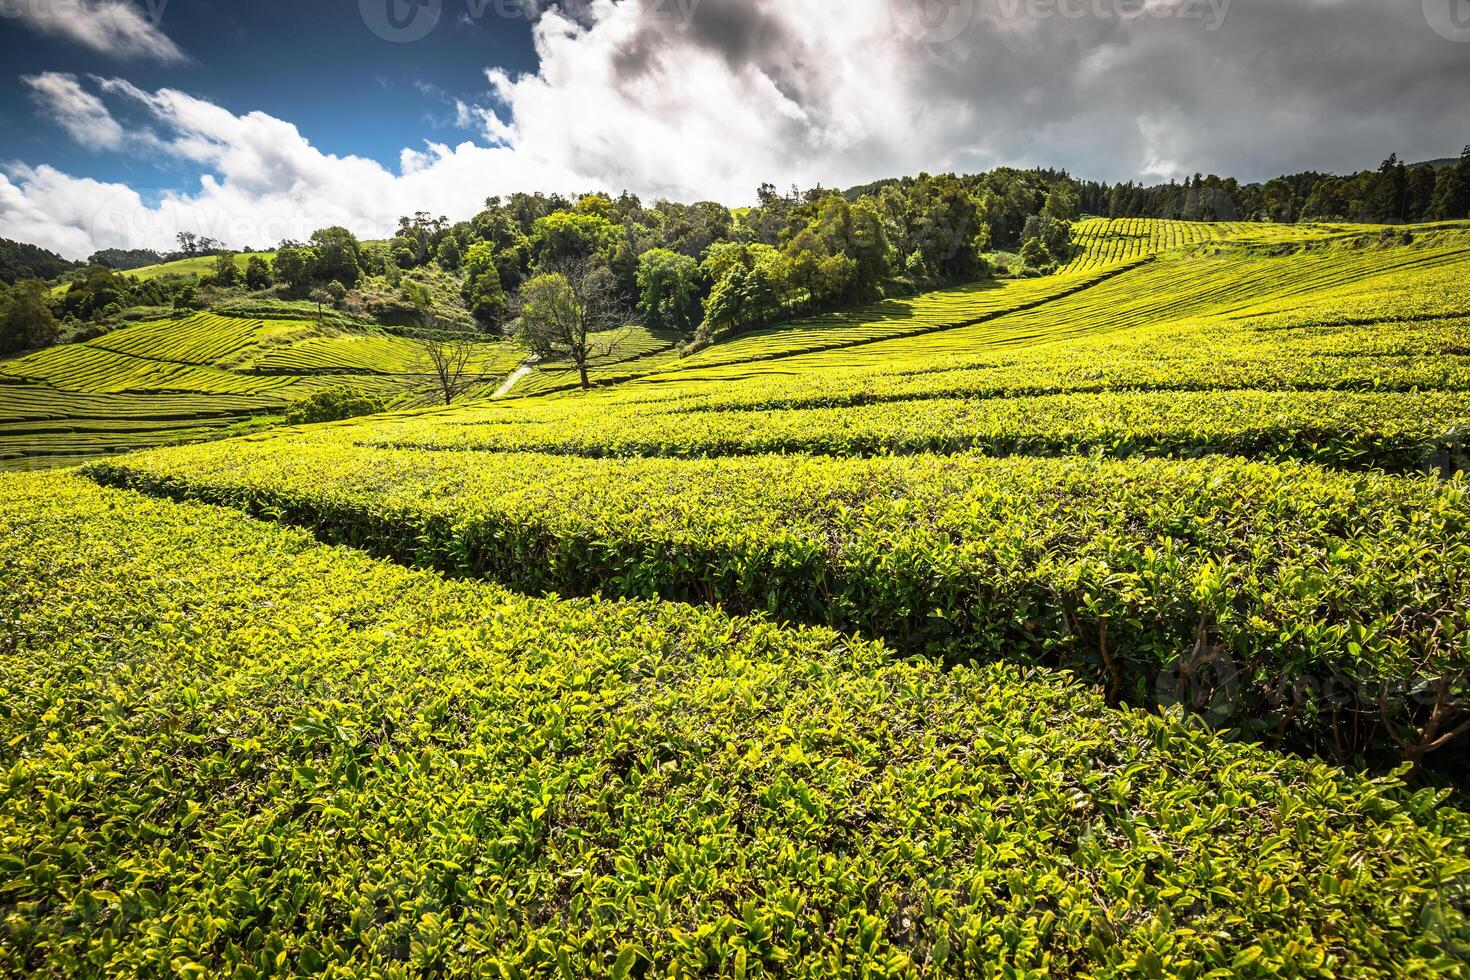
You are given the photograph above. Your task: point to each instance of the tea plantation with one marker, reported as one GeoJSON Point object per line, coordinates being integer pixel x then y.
{"type": "Point", "coordinates": [1113, 623]}
{"type": "Point", "coordinates": [192, 378]}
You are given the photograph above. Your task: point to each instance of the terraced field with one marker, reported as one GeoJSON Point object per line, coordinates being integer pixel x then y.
{"type": "Point", "coordinates": [1101, 242]}
{"type": "Point", "coordinates": [1110, 624]}
{"type": "Point", "coordinates": [193, 378]}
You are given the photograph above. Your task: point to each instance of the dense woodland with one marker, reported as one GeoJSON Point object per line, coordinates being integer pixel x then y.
{"type": "Point", "coordinates": [557, 270]}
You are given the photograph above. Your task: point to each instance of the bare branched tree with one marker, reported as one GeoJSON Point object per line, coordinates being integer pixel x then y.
{"type": "Point", "coordinates": [447, 360]}
{"type": "Point", "coordinates": [571, 310]}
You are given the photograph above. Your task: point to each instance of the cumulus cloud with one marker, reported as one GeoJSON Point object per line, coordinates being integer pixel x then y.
{"type": "Point", "coordinates": [114, 27]}
{"type": "Point", "coordinates": [262, 182]}
{"type": "Point", "coordinates": [843, 91]}
{"type": "Point", "coordinates": [82, 114]}
{"type": "Point", "coordinates": [708, 98]}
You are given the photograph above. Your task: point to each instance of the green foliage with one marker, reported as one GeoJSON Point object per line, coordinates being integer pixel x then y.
{"type": "Point", "coordinates": [333, 405]}
{"type": "Point", "coordinates": [226, 272]}
{"type": "Point", "coordinates": [1452, 190]}
{"type": "Point", "coordinates": [26, 320]}
{"type": "Point", "coordinates": [1349, 360]}
{"type": "Point", "coordinates": [124, 259]}
{"type": "Point", "coordinates": [336, 255]}
{"type": "Point", "coordinates": [1115, 570]}
{"type": "Point", "coordinates": [189, 377]}
{"type": "Point", "coordinates": [20, 261]}
{"type": "Point", "coordinates": [257, 273]}
{"type": "Point", "coordinates": [483, 294]}
{"type": "Point", "coordinates": [566, 236]}
{"type": "Point", "coordinates": [230, 751]}
{"type": "Point", "coordinates": [187, 299]}
{"type": "Point", "coordinates": [89, 295]}
{"type": "Point", "coordinates": [1035, 254]}
{"type": "Point", "coordinates": [668, 286]}
{"type": "Point", "coordinates": [293, 267]}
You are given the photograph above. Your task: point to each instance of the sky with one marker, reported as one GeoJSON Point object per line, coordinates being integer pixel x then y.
{"type": "Point", "coordinates": [124, 122]}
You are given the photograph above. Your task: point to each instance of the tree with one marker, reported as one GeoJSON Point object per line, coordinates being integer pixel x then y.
{"type": "Point", "coordinates": [1061, 203]}
{"type": "Point", "coordinates": [88, 297]}
{"type": "Point", "coordinates": [668, 288]}
{"type": "Point", "coordinates": [337, 293]}
{"type": "Point", "coordinates": [337, 255]}
{"type": "Point", "coordinates": [571, 311]}
{"type": "Point", "coordinates": [293, 267]}
{"type": "Point", "coordinates": [1035, 254]}
{"type": "Point", "coordinates": [1452, 190]}
{"type": "Point", "coordinates": [257, 273]}
{"type": "Point", "coordinates": [1055, 236]}
{"type": "Point", "coordinates": [483, 294]}
{"type": "Point", "coordinates": [417, 239]}
{"type": "Point", "coordinates": [566, 237]}
{"type": "Point", "coordinates": [321, 298]}
{"type": "Point", "coordinates": [1388, 192]}
{"type": "Point", "coordinates": [724, 310]}
{"type": "Point", "coordinates": [449, 254]}
{"type": "Point", "coordinates": [1419, 195]}
{"type": "Point", "coordinates": [226, 273]}
{"type": "Point", "coordinates": [448, 361]}
{"type": "Point", "coordinates": [26, 320]}
{"type": "Point", "coordinates": [950, 225]}
{"type": "Point", "coordinates": [867, 243]}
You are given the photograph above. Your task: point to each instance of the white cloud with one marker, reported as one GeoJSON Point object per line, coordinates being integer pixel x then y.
{"type": "Point", "coordinates": [79, 112]}
{"type": "Point", "coordinates": [708, 98]}
{"type": "Point", "coordinates": [114, 27]}
{"type": "Point", "coordinates": [263, 182]}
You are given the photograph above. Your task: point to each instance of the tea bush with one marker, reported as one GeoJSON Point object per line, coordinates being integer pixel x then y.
{"type": "Point", "coordinates": [1338, 601]}
{"type": "Point", "coordinates": [230, 751]}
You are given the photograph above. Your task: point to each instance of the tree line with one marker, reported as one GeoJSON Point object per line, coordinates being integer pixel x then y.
{"type": "Point", "coordinates": [1395, 193]}
{"type": "Point", "coordinates": [560, 272]}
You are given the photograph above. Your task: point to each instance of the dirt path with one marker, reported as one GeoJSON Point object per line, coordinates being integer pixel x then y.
{"type": "Point", "coordinates": [515, 376]}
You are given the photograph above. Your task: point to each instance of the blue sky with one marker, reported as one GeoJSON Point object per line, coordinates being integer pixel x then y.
{"type": "Point", "coordinates": [259, 120]}
{"type": "Point", "coordinates": [316, 64]}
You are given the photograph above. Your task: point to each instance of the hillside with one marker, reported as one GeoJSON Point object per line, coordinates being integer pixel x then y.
{"type": "Point", "coordinates": [20, 260]}
{"type": "Point", "coordinates": [198, 265]}
{"type": "Point", "coordinates": [1106, 623]}
{"type": "Point", "coordinates": [192, 378]}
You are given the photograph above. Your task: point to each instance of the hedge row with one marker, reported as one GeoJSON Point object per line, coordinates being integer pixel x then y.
{"type": "Point", "coordinates": [1328, 610]}
{"type": "Point", "coordinates": [1401, 432]}
{"type": "Point", "coordinates": [1393, 356]}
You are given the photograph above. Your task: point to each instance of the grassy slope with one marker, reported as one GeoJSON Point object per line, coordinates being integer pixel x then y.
{"type": "Point", "coordinates": [196, 266]}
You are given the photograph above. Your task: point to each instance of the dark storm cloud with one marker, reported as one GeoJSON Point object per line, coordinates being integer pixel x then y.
{"type": "Point", "coordinates": [1117, 88]}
